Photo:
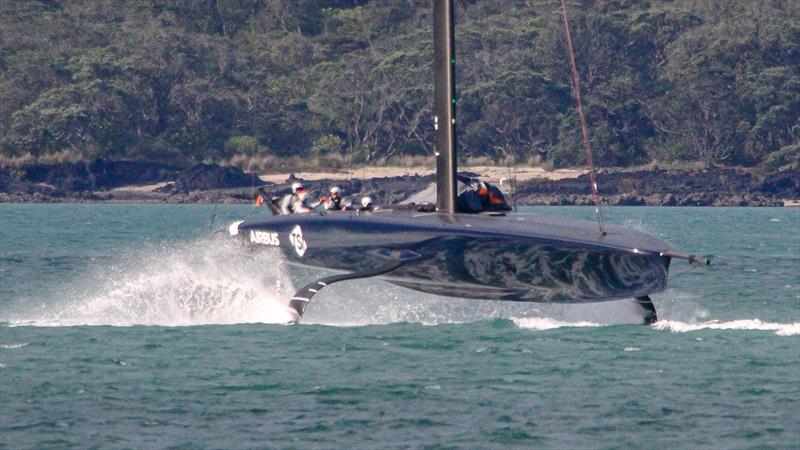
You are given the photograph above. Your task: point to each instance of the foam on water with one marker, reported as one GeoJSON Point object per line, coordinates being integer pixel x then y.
{"type": "Point", "coordinates": [208, 281]}
{"type": "Point", "coordinates": [679, 312]}
{"type": "Point", "coordinates": [544, 323]}
{"type": "Point", "coordinates": [781, 329]}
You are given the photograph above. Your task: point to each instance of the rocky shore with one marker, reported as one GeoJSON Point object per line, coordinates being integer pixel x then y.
{"type": "Point", "coordinates": [707, 187]}
{"type": "Point", "coordinates": [128, 181]}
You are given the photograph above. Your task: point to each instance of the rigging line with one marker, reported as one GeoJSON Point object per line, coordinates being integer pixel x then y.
{"type": "Point", "coordinates": [252, 187]}
{"type": "Point", "coordinates": [512, 180]}
{"type": "Point", "coordinates": [585, 133]}
{"type": "Point", "coordinates": [213, 217]}
{"type": "Point", "coordinates": [514, 186]}
{"type": "Point", "coordinates": [691, 269]}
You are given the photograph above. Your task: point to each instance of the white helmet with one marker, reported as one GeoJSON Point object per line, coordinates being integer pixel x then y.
{"type": "Point", "coordinates": [335, 190]}
{"type": "Point", "coordinates": [295, 186]}
{"type": "Point", "coordinates": [366, 201]}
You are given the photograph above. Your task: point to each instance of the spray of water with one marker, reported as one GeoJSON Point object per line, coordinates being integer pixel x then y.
{"type": "Point", "coordinates": [215, 280]}
{"type": "Point", "coordinates": [212, 280]}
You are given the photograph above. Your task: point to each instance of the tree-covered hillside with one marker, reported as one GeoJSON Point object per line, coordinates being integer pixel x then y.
{"type": "Point", "coordinates": [185, 81]}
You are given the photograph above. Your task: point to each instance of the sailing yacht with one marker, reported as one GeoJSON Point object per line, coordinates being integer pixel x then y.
{"type": "Point", "coordinates": [436, 248]}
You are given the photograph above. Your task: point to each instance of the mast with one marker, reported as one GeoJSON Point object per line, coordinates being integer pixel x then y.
{"type": "Point", "coordinates": [444, 107]}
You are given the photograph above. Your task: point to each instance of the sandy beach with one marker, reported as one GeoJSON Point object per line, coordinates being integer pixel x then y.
{"type": "Point", "coordinates": [488, 173]}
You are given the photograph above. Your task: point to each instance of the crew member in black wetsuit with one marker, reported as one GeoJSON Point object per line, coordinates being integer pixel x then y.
{"type": "Point", "coordinates": [480, 196]}
{"type": "Point", "coordinates": [334, 202]}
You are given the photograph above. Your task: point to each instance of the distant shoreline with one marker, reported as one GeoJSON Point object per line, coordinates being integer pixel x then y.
{"type": "Point", "coordinates": [492, 174]}
{"type": "Point", "coordinates": [129, 182]}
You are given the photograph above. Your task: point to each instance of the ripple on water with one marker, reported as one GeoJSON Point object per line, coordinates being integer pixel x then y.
{"type": "Point", "coordinates": [13, 345]}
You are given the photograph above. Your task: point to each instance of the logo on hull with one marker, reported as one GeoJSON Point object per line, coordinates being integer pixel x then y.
{"type": "Point", "coordinates": [299, 244]}
{"type": "Point", "coordinates": [265, 238]}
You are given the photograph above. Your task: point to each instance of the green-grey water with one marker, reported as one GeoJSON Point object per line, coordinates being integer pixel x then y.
{"type": "Point", "coordinates": [136, 326]}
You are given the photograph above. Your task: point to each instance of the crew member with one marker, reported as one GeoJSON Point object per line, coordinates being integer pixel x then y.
{"type": "Point", "coordinates": [491, 197]}
{"type": "Point", "coordinates": [335, 200]}
{"type": "Point", "coordinates": [366, 204]}
{"type": "Point", "coordinates": [480, 196]}
{"type": "Point", "coordinates": [295, 203]}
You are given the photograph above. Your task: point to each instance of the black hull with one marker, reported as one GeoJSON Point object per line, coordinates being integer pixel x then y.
{"type": "Point", "coordinates": [513, 258]}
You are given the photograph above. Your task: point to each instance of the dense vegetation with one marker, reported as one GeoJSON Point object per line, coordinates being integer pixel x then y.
{"type": "Point", "coordinates": [350, 80]}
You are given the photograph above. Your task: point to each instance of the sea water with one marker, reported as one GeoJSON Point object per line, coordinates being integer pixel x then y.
{"type": "Point", "coordinates": [138, 326]}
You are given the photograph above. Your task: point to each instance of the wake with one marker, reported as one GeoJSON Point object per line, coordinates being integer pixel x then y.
{"type": "Point", "coordinates": [674, 326]}
{"type": "Point", "coordinates": [781, 329]}
{"type": "Point", "coordinates": [208, 281]}
{"type": "Point", "coordinates": [679, 312]}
